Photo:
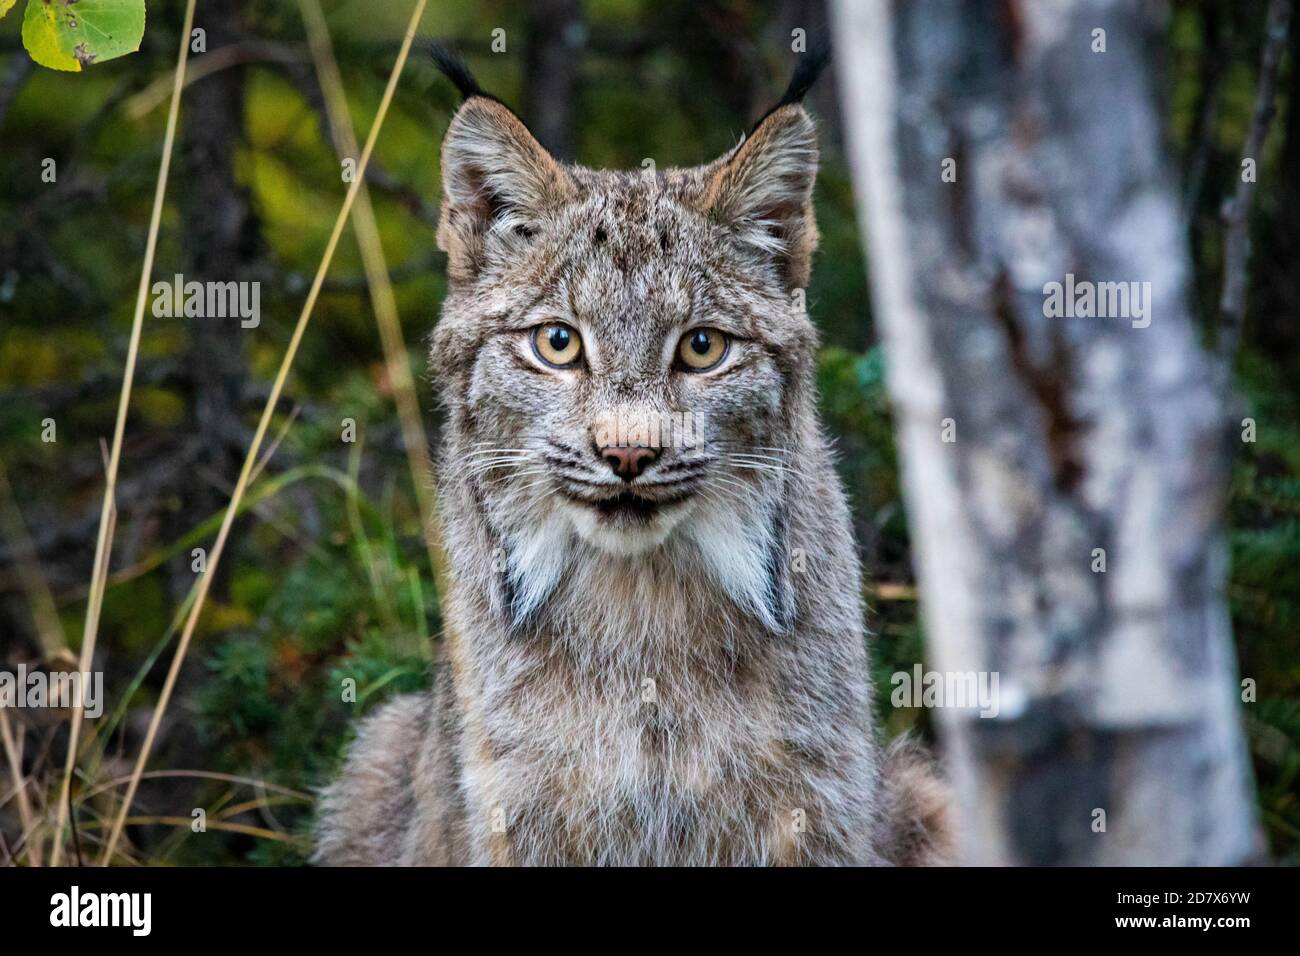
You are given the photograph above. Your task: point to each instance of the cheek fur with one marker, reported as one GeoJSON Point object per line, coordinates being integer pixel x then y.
{"type": "Point", "coordinates": [739, 407]}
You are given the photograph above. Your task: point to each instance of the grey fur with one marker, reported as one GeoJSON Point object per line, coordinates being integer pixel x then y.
{"type": "Point", "coordinates": [691, 689]}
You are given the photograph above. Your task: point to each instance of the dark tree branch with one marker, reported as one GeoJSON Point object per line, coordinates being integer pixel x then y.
{"type": "Point", "coordinates": [1274, 328]}
{"type": "Point", "coordinates": [1236, 242]}
{"type": "Point", "coordinates": [555, 40]}
{"type": "Point", "coordinates": [69, 530]}
{"type": "Point", "coordinates": [1213, 61]}
{"type": "Point", "coordinates": [56, 395]}
{"type": "Point", "coordinates": [13, 81]}
{"type": "Point", "coordinates": [296, 283]}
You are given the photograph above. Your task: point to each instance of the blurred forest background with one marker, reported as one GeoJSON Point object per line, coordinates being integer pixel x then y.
{"type": "Point", "coordinates": [328, 575]}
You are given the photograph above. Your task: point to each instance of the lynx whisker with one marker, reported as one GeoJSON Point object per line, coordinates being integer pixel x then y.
{"type": "Point", "coordinates": [533, 484]}
{"type": "Point", "coordinates": [745, 490]}
{"type": "Point", "coordinates": [768, 469]}
{"type": "Point", "coordinates": [755, 456]}
{"type": "Point", "coordinates": [485, 465]}
{"type": "Point", "coordinates": [759, 466]}
{"type": "Point", "coordinates": [733, 445]}
{"type": "Point", "coordinates": [488, 452]}
{"type": "Point", "coordinates": [763, 458]}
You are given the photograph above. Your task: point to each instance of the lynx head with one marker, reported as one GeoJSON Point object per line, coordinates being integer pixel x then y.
{"type": "Point", "coordinates": [625, 356]}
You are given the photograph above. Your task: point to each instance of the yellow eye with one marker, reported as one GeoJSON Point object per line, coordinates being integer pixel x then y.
{"type": "Point", "coordinates": [702, 349]}
{"type": "Point", "coordinates": [557, 344]}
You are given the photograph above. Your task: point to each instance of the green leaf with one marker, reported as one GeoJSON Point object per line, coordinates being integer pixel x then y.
{"type": "Point", "coordinates": [69, 34]}
{"type": "Point", "coordinates": [41, 37]}
{"type": "Point", "coordinates": [6, 6]}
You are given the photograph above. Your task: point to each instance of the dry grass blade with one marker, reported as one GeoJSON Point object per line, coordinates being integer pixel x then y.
{"type": "Point", "coordinates": [187, 823]}
{"type": "Point", "coordinates": [381, 288]}
{"type": "Point", "coordinates": [232, 509]}
{"type": "Point", "coordinates": [222, 58]}
{"type": "Point", "coordinates": [45, 613]}
{"type": "Point", "coordinates": [15, 760]}
{"type": "Point", "coordinates": [270, 452]}
{"type": "Point", "coordinates": [201, 775]}
{"type": "Point", "coordinates": [102, 545]}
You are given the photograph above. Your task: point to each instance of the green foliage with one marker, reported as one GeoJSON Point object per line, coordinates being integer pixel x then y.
{"type": "Point", "coordinates": [1265, 590]}
{"type": "Point", "coordinates": [67, 36]}
{"type": "Point", "coordinates": [352, 613]}
{"type": "Point", "coordinates": [1274, 733]}
{"type": "Point", "coordinates": [855, 409]}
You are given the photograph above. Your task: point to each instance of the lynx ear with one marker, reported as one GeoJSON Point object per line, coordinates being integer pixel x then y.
{"type": "Point", "coordinates": [497, 180]}
{"type": "Point", "coordinates": [763, 191]}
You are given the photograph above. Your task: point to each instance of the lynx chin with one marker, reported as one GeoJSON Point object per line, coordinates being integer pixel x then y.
{"type": "Point", "coordinates": [635, 668]}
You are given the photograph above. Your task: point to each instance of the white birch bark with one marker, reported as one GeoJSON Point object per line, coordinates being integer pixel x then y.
{"type": "Point", "coordinates": [1117, 689]}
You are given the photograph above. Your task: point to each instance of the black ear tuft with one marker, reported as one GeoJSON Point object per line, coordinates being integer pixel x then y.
{"type": "Point", "coordinates": [453, 68]}
{"type": "Point", "coordinates": [811, 65]}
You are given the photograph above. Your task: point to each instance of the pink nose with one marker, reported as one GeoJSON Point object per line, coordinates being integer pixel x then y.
{"type": "Point", "coordinates": [626, 461]}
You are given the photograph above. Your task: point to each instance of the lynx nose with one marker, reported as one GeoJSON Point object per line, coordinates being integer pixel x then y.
{"type": "Point", "coordinates": [628, 461]}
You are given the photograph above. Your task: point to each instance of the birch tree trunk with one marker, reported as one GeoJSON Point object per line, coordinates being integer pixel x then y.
{"type": "Point", "coordinates": [1070, 440]}
{"type": "Point", "coordinates": [556, 38]}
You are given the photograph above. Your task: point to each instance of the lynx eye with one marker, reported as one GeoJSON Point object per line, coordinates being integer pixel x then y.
{"type": "Point", "coordinates": [557, 344]}
{"type": "Point", "coordinates": [702, 349]}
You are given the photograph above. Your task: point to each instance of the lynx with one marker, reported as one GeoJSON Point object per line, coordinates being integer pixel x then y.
{"type": "Point", "coordinates": [654, 649]}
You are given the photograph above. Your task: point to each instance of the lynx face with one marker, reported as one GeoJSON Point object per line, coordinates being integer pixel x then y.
{"type": "Point", "coordinates": [625, 355]}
